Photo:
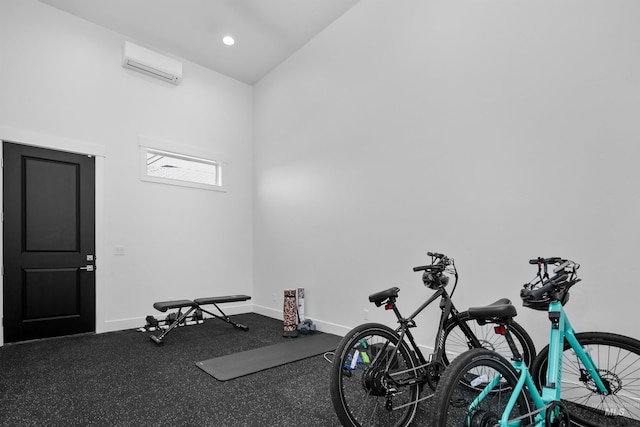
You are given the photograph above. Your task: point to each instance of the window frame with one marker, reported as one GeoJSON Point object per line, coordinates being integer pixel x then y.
{"type": "Point", "coordinates": [172, 150]}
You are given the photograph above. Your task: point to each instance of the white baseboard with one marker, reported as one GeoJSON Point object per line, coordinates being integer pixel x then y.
{"type": "Point", "coordinates": [321, 325]}
{"type": "Point", "coordinates": [139, 322]}
{"type": "Point", "coordinates": [266, 311]}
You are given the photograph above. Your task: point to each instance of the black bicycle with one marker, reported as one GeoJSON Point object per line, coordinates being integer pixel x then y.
{"type": "Point", "coordinates": [378, 373]}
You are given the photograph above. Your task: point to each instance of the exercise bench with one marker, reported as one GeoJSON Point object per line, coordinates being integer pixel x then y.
{"type": "Point", "coordinates": [196, 304]}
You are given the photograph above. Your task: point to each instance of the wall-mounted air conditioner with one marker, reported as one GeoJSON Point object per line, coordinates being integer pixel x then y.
{"type": "Point", "coordinates": [151, 63]}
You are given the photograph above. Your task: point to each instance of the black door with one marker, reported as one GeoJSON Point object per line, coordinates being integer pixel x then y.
{"type": "Point", "coordinates": [49, 241]}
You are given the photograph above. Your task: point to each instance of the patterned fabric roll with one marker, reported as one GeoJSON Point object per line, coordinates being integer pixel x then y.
{"type": "Point", "coordinates": [289, 311]}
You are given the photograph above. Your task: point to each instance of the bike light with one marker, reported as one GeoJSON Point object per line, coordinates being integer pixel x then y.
{"type": "Point", "coordinates": [389, 306]}
{"type": "Point", "coordinates": [500, 330]}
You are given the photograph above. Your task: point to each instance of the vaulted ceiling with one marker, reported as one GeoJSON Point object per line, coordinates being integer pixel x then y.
{"type": "Point", "coordinates": [266, 32]}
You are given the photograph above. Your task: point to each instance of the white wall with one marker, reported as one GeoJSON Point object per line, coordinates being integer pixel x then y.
{"type": "Point", "coordinates": [61, 84]}
{"type": "Point", "coordinates": [494, 131]}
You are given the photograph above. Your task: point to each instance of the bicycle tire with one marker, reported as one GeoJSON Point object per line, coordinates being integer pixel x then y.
{"type": "Point", "coordinates": [617, 358]}
{"type": "Point", "coordinates": [462, 383]}
{"type": "Point", "coordinates": [457, 342]}
{"type": "Point", "coordinates": [362, 390]}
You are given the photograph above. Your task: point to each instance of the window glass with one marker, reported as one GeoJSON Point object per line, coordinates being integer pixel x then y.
{"type": "Point", "coordinates": [180, 169]}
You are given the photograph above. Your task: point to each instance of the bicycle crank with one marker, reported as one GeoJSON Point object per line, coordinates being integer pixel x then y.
{"type": "Point", "coordinates": [560, 415]}
{"type": "Point", "coordinates": [483, 418]}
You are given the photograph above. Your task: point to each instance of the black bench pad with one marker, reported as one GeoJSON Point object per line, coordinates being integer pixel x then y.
{"type": "Point", "coordinates": [166, 305]}
{"type": "Point", "coordinates": [220, 300]}
{"type": "Point", "coordinates": [196, 304]}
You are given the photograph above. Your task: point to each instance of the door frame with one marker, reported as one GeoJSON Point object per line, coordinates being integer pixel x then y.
{"type": "Point", "coordinates": [35, 139]}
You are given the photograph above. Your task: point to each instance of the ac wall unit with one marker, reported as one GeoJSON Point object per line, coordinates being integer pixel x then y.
{"type": "Point", "coordinates": [151, 63]}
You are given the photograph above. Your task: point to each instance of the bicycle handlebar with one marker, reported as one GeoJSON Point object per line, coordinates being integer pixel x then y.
{"type": "Point", "coordinates": [428, 267]}
{"type": "Point", "coordinates": [540, 260]}
{"type": "Point", "coordinates": [438, 262]}
{"type": "Point", "coordinates": [546, 287]}
{"type": "Point", "coordinates": [543, 288]}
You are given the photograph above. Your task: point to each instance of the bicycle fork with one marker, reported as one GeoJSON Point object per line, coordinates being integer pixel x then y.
{"type": "Point", "coordinates": [561, 329]}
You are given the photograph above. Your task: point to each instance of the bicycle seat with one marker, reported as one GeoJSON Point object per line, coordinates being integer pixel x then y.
{"type": "Point", "coordinates": [501, 309]}
{"type": "Point", "coordinates": [379, 297]}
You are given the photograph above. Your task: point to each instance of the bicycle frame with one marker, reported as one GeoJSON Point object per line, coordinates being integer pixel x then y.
{"type": "Point", "coordinates": [447, 310]}
{"type": "Point", "coordinates": [561, 329]}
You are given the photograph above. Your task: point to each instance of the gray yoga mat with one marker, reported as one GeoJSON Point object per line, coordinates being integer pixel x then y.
{"type": "Point", "coordinates": [248, 362]}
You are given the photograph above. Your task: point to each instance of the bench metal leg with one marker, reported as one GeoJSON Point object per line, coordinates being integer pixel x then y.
{"type": "Point", "coordinates": [225, 318]}
{"type": "Point", "coordinates": [175, 324]}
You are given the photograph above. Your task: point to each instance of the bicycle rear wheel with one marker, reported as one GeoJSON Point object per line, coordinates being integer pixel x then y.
{"type": "Point", "coordinates": [457, 342]}
{"type": "Point", "coordinates": [373, 378]}
{"type": "Point", "coordinates": [617, 359]}
{"type": "Point", "coordinates": [463, 396]}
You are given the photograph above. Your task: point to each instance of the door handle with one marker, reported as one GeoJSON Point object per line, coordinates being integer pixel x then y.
{"type": "Point", "coordinates": [88, 268]}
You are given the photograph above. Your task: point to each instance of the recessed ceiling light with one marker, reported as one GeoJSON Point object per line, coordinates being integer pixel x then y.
{"type": "Point", "coordinates": [228, 40]}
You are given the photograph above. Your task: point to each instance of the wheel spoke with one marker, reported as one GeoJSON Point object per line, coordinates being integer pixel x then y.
{"type": "Point", "coordinates": [370, 366]}
{"type": "Point", "coordinates": [617, 361]}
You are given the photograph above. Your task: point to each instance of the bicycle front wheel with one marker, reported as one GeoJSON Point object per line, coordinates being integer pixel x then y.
{"type": "Point", "coordinates": [617, 360]}
{"type": "Point", "coordinates": [456, 340]}
{"type": "Point", "coordinates": [474, 391]}
{"type": "Point", "coordinates": [373, 378]}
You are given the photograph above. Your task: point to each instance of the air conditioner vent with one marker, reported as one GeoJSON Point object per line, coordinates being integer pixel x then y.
{"type": "Point", "coordinates": [151, 63]}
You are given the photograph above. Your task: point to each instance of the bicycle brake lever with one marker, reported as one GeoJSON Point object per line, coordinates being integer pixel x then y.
{"type": "Point", "coordinates": [567, 264]}
{"type": "Point", "coordinates": [561, 266]}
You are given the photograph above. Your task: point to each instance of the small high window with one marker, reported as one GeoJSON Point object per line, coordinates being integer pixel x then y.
{"type": "Point", "coordinates": [168, 167]}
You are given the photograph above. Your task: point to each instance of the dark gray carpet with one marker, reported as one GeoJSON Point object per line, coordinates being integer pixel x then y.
{"type": "Point", "coordinates": [124, 379]}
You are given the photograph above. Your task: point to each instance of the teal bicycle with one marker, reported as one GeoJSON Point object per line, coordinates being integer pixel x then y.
{"type": "Point", "coordinates": [583, 379]}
